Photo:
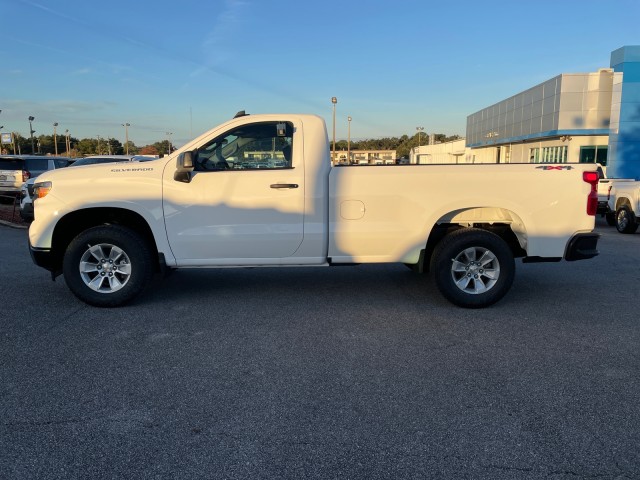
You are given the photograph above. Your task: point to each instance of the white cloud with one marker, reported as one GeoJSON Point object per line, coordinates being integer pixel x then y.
{"type": "Point", "coordinates": [218, 43]}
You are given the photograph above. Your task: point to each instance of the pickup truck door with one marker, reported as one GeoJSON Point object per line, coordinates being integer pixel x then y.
{"type": "Point", "coordinates": [243, 201]}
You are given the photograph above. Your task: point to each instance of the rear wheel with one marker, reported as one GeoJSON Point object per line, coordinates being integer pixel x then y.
{"type": "Point", "coordinates": [626, 220]}
{"type": "Point", "coordinates": [107, 266]}
{"type": "Point", "coordinates": [473, 268]}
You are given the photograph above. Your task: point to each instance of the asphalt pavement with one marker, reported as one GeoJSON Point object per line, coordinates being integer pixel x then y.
{"type": "Point", "coordinates": [328, 373]}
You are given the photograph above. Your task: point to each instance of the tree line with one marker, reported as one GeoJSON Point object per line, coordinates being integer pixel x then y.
{"type": "Point", "coordinates": [402, 145]}
{"type": "Point", "coordinates": [44, 145]}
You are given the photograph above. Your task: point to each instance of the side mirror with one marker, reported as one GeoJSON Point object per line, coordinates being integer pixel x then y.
{"type": "Point", "coordinates": [184, 167]}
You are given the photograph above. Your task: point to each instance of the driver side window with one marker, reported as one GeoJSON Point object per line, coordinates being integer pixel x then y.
{"type": "Point", "coordinates": [258, 146]}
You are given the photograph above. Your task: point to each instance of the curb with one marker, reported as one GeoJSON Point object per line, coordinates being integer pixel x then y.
{"type": "Point", "coordinates": [13, 225]}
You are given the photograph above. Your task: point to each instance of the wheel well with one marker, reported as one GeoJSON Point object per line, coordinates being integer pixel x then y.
{"type": "Point", "coordinates": [503, 230]}
{"type": "Point", "coordinates": [72, 224]}
{"type": "Point", "coordinates": [621, 202]}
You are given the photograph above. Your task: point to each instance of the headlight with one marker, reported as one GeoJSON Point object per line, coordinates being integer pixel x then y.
{"type": "Point", "coordinates": [41, 189]}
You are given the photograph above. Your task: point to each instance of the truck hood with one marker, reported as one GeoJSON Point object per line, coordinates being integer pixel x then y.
{"type": "Point", "coordinates": [101, 184]}
{"type": "Point", "coordinates": [106, 172]}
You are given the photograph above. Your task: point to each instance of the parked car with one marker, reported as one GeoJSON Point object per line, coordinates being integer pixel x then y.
{"type": "Point", "coordinates": [26, 193]}
{"type": "Point", "coordinates": [94, 159]}
{"type": "Point", "coordinates": [34, 165]}
{"type": "Point", "coordinates": [17, 169]}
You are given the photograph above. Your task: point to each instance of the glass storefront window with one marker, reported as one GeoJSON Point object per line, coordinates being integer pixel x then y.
{"type": "Point", "coordinates": [548, 155]}
{"type": "Point", "coordinates": [594, 154]}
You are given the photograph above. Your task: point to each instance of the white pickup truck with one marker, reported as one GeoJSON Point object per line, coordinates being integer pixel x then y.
{"type": "Point", "coordinates": [624, 200]}
{"type": "Point", "coordinates": [260, 191]}
{"type": "Point", "coordinates": [605, 185]}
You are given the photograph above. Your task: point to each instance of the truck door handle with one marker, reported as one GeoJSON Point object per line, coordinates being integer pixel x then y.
{"type": "Point", "coordinates": [284, 185]}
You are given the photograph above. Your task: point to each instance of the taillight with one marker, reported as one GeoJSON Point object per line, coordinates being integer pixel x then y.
{"type": "Point", "coordinates": [609, 192]}
{"type": "Point", "coordinates": [25, 175]}
{"type": "Point", "coordinates": [592, 199]}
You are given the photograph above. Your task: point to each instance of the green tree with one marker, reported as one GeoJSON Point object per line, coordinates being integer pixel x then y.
{"type": "Point", "coordinates": [133, 150]}
{"type": "Point", "coordinates": [114, 147]}
{"type": "Point", "coordinates": [163, 148]}
{"type": "Point", "coordinates": [86, 146]}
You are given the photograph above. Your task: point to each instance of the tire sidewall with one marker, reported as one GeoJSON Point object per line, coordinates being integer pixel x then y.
{"type": "Point", "coordinates": [631, 225]}
{"type": "Point", "coordinates": [452, 245]}
{"type": "Point", "coordinates": [127, 240]}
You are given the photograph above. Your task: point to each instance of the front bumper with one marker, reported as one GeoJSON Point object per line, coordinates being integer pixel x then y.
{"type": "Point", "coordinates": [43, 257]}
{"type": "Point", "coordinates": [26, 211]}
{"type": "Point", "coordinates": [582, 246]}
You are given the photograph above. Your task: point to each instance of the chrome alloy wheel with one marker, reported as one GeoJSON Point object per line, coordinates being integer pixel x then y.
{"type": "Point", "coordinates": [105, 268]}
{"type": "Point", "coordinates": [475, 270]}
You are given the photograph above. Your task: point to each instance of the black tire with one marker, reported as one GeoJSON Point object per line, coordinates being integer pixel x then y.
{"type": "Point", "coordinates": [610, 217]}
{"type": "Point", "coordinates": [473, 268]}
{"type": "Point", "coordinates": [626, 220]}
{"type": "Point", "coordinates": [107, 266]}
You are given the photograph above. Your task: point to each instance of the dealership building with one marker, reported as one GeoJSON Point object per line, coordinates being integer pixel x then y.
{"type": "Point", "coordinates": [573, 117]}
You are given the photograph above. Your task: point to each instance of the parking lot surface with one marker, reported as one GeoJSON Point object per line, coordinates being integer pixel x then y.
{"type": "Point", "coordinates": [361, 372]}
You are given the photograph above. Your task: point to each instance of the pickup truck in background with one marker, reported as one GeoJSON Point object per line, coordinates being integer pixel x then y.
{"type": "Point", "coordinates": [604, 194]}
{"type": "Point", "coordinates": [260, 191]}
{"type": "Point", "coordinates": [624, 201]}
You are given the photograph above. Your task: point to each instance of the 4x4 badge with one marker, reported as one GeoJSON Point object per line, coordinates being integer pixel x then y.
{"type": "Point", "coordinates": [555, 167]}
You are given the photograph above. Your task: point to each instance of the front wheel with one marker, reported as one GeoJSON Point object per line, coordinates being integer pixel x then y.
{"type": "Point", "coordinates": [626, 220]}
{"type": "Point", "coordinates": [473, 268]}
{"type": "Point", "coordinates": [107, 266]}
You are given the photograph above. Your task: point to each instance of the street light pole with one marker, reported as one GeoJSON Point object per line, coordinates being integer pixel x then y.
{"type": "Point", "coordinates": [349, 141]}
{"type": "Point", "coordinates": [67, 143]}
{"type": "Point", "coordinates": [31, 132]}
{"type": "Point", "coordinates": [168, 134]}
{"type": "Point", "coordinates": [334, 100]}
{"type": "Point", "coordinates": [55, 138]}
{"type": "Point", "coordinates": [419, 129]}
{"type": "Point", "coordinates": [126, 136]}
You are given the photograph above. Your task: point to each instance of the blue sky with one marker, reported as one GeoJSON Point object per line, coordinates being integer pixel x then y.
{"type": "Point", "coordinates": [183, 67]}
